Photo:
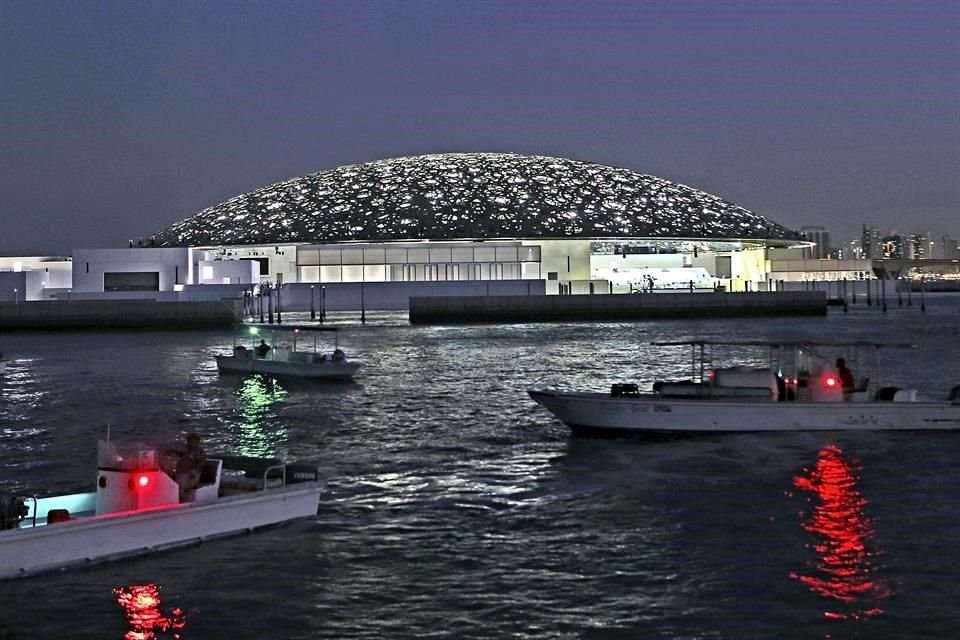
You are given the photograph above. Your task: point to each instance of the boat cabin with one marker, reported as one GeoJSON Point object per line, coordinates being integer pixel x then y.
{"type": "Point", "coordinates": [793, 371]}
{"type": "Point", "coordinates": [135, 477]}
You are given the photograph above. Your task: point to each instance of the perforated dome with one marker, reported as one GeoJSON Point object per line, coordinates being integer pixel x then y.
{"type": "Point", "coordinates": [469, 196]}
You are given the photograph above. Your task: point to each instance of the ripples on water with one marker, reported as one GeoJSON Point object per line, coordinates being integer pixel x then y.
{"type": "Point", "coordinates": [458, 508]}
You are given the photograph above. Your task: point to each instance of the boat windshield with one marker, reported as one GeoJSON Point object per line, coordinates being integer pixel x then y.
{"type": "Point", "coordinates": [126, 456]}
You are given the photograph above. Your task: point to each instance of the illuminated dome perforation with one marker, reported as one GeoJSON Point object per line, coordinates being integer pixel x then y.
{"type": "Point", "coordinates": [468, 196]}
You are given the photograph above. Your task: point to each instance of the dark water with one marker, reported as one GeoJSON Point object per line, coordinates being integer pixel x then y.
{"type": "Point", "coordinates": [458, 508]}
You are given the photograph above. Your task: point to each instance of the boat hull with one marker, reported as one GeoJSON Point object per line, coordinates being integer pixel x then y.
{"type": "Point", "coordinates": [328, 370]}
{"type": "Point", "coordinates": [32, 550]}
{"type": "Point", "coordinates": [597, 412]}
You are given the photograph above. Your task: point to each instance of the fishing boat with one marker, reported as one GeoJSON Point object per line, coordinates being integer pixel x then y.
{"type": "Point", "coordinates": [797, 388]}
{"type": "Point", "coordinates": [288, 354]}
{"type": "Point", "coordinates": [137, 508]}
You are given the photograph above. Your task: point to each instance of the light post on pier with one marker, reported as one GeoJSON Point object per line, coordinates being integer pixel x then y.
{"type": "Point", "coordinates": [16, 299]}
{"type": "Point", "coordinates": [269, 303]}
{"type": "Point", "coordinates": [279, 286]}
{"type": "Point", "coordinates": [313, 308]}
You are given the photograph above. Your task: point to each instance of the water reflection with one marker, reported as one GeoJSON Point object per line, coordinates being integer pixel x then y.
{"type": "Point", "coordinates": [256, 397]}
{"type": "Point", "coordinates": [141, 606]}
{"type": "Point", "coordinates": [844, 568]}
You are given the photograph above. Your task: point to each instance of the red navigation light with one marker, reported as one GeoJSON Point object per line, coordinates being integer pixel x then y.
{"type": "Point", "coordinates": [143, 480]}
{"type": "Point", "coordinates": [829, 382]}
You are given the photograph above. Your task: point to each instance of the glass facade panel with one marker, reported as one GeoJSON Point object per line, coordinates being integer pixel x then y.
{"type": "Point", "coordinates": [461, 254]}
{"type": "Point", "coordinates": [484, 254]}
{"type": "Point", "coordinates": [352, 256]}
{"type": "Point", "coordinates": [440, 254]}
{"type": "Point", "coordinates": [309, 274]}
{"type": "Point", "coordinates": [375, 273]}
{"type": "Point", "coordinates": [529, 254]}
{"type": "Point", "coordinates": [330, 256]}
{"type": "Point", "coordinates": [418, 255]}
{"type": "Point", "coordinates": [374, 255]}
{"type": "Point", "coordinates": [308, 257]}
{"type": "Point", "coordinates": [330, 274]}
{"type": "Point", "coordinates": [352, 273]}
{"type": "Point", "coordinates": [395, 256]}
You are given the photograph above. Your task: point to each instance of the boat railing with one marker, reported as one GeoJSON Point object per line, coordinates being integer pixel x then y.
{"type": "Point", "coordinates": [251, 473]}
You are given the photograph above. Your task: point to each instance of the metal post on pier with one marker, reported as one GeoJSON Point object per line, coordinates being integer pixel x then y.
{"type": "Point", "coordinates": [270, 305]}
{"type": "Point", "coordinates": [363, 306]}
{"type": "Point", "coordinates": [923, 293]}
{"type": "Point", "coordinates": [899, 291]}
{"type": "Point", "coordinates": [278, 304]}
{"type": "Point", "coordinates": [313, 309]}
{"type": "Point", "coordinates": [869, 300]}
{"type": "Point", "coordinates": [323, 304]}
{"type": "Point", "coordinates": [260, 302]}
{"type": "Point", "coordinates": [909, 292]}
{"type": "Point", "coordinates": [883, 297]}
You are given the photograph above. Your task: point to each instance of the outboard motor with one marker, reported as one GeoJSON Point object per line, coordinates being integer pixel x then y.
{"type": "Point", "coordinates": [12, 511]}
{"type": "Point", "coordinates": [886, 394]}
{"type": "Point", "coordinates": [624, 389]}
{"type": "Point", "coordinates": [954, 394]}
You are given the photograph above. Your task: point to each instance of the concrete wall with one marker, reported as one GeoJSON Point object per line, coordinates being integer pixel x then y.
{"type": "Point", "coordinates": [461, 309]}
{"type": "Point", "coordinates": [32, 276]}
{"type": "Point", "coordinates": [123, 314]}
{"type": "Point", "coordinates": [554, 255]}
{"type": "Point", "coordinates": [175, 266]}
{"type": "Point", "coordinates": [282, 259]}
{"type": "Point", "coordinates": [394, 296]}
{"type": "Point", "coordinates": [234, 271]}
{"type": "Point", "coordinates": [13, 286]}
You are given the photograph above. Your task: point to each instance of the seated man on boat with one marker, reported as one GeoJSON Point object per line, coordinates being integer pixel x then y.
{"type": "Point", "coordinates": [846, 376]}
{"type": "Point", "coordinates": [262, 349]}
{"type": "Point", "coordinates": [189, 466]}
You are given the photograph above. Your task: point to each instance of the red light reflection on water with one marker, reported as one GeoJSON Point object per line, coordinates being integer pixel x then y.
{"type": "Point", "coordinates": [843, 569]}
{"type": "Point", "coordinates": [141, 605]}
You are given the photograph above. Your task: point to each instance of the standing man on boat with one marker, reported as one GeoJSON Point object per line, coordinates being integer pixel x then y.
{"type": "Point", "coordinates": [262, 349]}
{"type": "Point", "coordinates": [189, 466]}
{"type": "Point", "coordinates": [846, 376]}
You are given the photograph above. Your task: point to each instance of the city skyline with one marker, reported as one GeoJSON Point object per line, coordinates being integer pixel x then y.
{"type": "Point", "coordinates": [119, 120]}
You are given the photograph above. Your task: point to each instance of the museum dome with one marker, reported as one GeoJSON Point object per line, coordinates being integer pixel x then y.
{"type": "Point", "coordinates": [469, 196]}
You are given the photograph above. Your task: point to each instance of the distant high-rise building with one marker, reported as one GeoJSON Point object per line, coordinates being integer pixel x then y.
{"type": "Point", "coordinates": [870, 243]}
{"type": "Point", "coordinates": [821, 237]}
{"type": "Point", "coordinates": [916, 246]}
{"type": "Point", "coordinates": [950, 249]}
{"type": "Point", "coordinates": [891, 247]}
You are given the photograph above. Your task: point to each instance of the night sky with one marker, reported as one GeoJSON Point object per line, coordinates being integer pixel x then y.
{"type": "Point", "coordinates": [119, 118]}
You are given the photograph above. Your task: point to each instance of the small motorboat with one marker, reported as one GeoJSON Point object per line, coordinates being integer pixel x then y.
{"type": "Point", "coordinates": [284, 358]}
{"type": "Point", "coordinates": [800, 390]}
{"type": "Point", "coordinates": [137, 508]}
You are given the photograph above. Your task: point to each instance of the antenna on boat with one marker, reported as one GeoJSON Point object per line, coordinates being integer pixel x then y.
{"type": "Point", "coordinates": [108, 433]}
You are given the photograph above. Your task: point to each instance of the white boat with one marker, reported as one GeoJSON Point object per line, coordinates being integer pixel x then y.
{"type": "Point", "coordinates": [284, 358]}
{"type": "Point", "coordinates": [136, 509]}
{"type": "Point", "coordinates": [799, 390]}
